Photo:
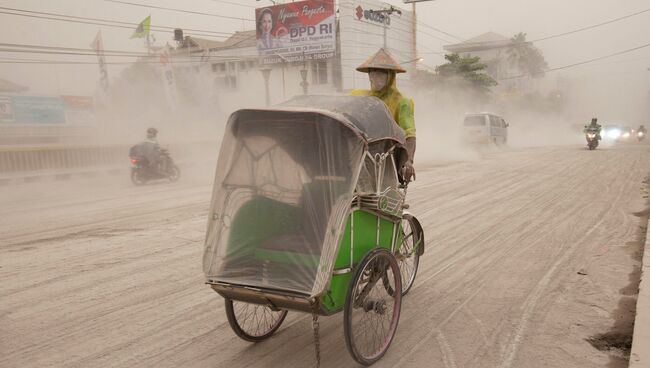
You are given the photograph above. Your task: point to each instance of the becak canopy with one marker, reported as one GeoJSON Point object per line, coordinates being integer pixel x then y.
{"type": "Point", "coordinates": [283, 188]}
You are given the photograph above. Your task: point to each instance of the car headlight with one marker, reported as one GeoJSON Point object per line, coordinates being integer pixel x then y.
{"type": "Point", "coordinates": [626, 135]}
{"type": "Point", "coordinates": [614, 133]}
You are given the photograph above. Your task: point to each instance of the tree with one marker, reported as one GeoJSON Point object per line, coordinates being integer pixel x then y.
{"type": "Point", "coordinates": [526, 57]}
{"type": "Point", "coordinates": [465, 73]}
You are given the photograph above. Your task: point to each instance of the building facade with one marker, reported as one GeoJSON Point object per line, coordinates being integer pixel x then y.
{"type": "Point", "coordinates": [232, 73]}
{"type": "Point", "coordinates": [493, 50]}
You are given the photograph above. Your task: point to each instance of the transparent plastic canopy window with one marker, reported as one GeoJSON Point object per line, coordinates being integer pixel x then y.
{"type": "Point", "coordinates": [282, 192]}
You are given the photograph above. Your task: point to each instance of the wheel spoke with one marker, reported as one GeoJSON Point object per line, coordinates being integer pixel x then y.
{"type": "Point", "coordinates": [254, 322]}
{"type": "Point", "coordinates": [372, 320]}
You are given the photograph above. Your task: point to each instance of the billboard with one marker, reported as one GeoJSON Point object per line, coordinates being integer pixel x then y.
{"type": "Point", "coordinates": [38, 110]}
{"type": "Point", "coordinates": [302, 30]}
{"type": "Point", "coordinates": [46, 109]}
{"type": "Point", "coordinates": [6, 110]}
{"type": "Point", "coordinates": [78, 109]}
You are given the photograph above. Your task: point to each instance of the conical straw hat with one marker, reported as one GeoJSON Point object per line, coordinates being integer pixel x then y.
{"type": "Point", "coordinates": [381, 60]}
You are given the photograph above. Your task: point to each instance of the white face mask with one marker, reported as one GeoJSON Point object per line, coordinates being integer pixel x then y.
{"type": "Point", "coordinates": [378, 79]}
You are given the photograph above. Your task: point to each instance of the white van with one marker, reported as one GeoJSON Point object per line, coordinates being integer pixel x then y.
{"type": "Point", "coordinates": [485, 128]}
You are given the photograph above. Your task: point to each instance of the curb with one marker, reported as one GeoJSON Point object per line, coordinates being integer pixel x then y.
{"type": "Point", "coordinates": [62, 175]}
{"type": "Point", "coordinates": [640, 354]}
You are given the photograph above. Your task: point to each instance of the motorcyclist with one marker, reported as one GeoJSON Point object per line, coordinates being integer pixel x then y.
{"type": "Point", "coordinates": [382, 71]}
{"type": "Point", "coordinates": [151, 149]}
{"type": "Point", "coordinates": [594, 126]}
{"type": "Point", "coordinates": [642, 130]}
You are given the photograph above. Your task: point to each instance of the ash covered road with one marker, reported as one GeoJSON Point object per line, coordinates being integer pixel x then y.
{"type": "Point", "coordinates": [531, 260]}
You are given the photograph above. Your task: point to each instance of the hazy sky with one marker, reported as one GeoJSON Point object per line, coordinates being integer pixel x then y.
{"type": "Point", "coordinates": [463, 18]}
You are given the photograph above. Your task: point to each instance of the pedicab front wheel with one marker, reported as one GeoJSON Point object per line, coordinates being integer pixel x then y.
{"type": "Point", "coordinates": [372, 307]}
{"type": "Point", "coordinates": [408, 256]}
{"type": "Point", "coordinates": [253, 322]}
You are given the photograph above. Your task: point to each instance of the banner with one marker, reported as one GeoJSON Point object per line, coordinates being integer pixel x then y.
{"type": "Point", "coordinates": [168, 78]}
{"type": "Point", "coordinates": [302, 30]}
{"type": "Point", "coordinates": [98, 46]}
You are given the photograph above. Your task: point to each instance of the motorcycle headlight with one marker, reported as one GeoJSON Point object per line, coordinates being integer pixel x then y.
{"type": "Point", "coordinates": [640, 134]}
{"type": "Point", "coordinates": [591, 135]}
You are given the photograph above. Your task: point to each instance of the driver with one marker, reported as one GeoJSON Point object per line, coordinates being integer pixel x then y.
{"type": "Point", "coordinates": [594, 126]}
{"type": "Point", "coordinates": [382, 71]}
{"type": "Point", "coordinates": [152, 149]}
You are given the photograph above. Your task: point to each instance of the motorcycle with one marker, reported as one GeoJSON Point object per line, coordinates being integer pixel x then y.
{"type": "Point", "coordinates": [640, 135]}
{"type": "Point", "coordinates": [142, 171]}
{"type": "Point", "coordinates": [592, 139]}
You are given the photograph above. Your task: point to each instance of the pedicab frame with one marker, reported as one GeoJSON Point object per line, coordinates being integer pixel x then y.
{"type": "Point", "coordinates": [308, 215]}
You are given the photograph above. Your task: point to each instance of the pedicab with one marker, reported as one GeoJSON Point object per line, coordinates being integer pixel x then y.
{"type": "Point", "coordinates": [308, 214]}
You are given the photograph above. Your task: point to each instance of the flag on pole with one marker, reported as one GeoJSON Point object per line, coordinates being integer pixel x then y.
{"type": "Point", "coordinates": [98, 46]}
{"type": "Point", "coordinates": [143, 28]}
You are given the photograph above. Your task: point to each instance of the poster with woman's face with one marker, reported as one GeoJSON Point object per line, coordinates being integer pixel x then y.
{"type": "Point", "coordinates": [267, 38]}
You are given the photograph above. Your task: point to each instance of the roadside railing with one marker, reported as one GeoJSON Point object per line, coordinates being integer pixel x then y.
{"type": "Point", "coordinates": [17, 159]}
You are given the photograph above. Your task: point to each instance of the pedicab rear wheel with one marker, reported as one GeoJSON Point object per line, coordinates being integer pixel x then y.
{"type": "Point", "coordinates": [372, 309]}
{"type": "Point", "coordinates": [253, 322]}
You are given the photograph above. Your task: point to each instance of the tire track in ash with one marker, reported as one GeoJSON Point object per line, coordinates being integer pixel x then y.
{"type": "Point", "coordinates": [533, 298]}
{"type": "Point", "coordinates": [477, 271]}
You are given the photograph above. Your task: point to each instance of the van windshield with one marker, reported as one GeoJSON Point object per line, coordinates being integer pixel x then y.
{"type": "Point", "coordinates": [474, 121]}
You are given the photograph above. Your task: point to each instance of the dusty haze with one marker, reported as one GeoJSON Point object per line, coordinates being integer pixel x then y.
{"type": "Point", "coordinates": [615, 89]}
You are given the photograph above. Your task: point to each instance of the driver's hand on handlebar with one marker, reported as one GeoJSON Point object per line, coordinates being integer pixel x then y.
{"type": "Point", "coordinates": [408, 172]}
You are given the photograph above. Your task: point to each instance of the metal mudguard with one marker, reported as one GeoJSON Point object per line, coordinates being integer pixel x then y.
{"type": "Point", "coordinates": [420, 245]}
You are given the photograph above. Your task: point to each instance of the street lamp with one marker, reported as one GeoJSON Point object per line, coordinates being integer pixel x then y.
{"type": "Point", "coordinates": [417, 60]}
{"type": "Point", "coordinates": [304, 84]}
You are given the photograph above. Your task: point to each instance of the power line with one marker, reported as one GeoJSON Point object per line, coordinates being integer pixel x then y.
{"type": "Point", "coordinates": [423, 24]}
{"type": "Point", "coordinates": [592, 26]}
{"type": "Point", "coordinates": [109, 20]}
{"type": "Point", "coordinates": [179, 10]}
{"type": "Point", "coordinates": [234, 3]}
{"type": "Point", "coordinates": [105, 24]}
{"type": "Point", "coordinates": [128, 25]}
{"type": "Point", "coordinates": [360, 31]}
{"type": "Point", "coordinates": [569, 32]}
{"type": "Point", "coordinates": [406, 30]}
{"type": "Point", "coordinates": [70, 53]}
{"type": "Point", "coordinates": [59, 48]}
{"type": "Point", "coordinates": [584, 62]}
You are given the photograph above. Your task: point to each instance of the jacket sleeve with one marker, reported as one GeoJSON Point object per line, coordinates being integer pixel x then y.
{"type": "Point", "coordinates": [406, 118]}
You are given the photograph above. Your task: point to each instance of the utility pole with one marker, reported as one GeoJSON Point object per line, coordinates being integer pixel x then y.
{"type": "Point", "coordinates": [415, 21]}
{"type": "Point", "coordinates": [415, 32]}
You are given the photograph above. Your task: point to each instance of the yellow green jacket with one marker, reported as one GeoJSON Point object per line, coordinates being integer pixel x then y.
{"type": "Point", "coordinates": [400, 107]}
